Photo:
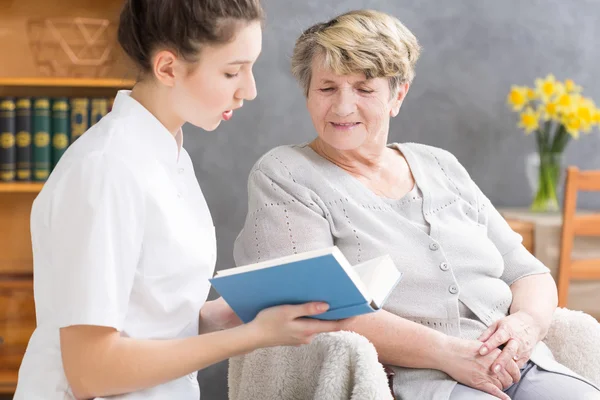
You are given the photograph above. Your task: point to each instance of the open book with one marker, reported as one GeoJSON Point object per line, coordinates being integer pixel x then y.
{"type": "Point", "coordinates": [318, 275]}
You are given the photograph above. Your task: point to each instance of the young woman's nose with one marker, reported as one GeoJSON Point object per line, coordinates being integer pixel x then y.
{"type": "Point", "coordinates": [248, 89]}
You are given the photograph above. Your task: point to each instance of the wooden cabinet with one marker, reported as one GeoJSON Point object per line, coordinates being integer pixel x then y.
{"type": "Point", "coordinates": [17, 309]}
{"type": "Point", "coordinates": [17, 322]}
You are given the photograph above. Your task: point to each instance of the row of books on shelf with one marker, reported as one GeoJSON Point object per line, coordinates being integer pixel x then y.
{"type": "Point", "coordinates": [35, 132]}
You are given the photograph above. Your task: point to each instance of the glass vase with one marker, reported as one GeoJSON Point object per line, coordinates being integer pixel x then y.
{"type": "Point", "coordinates": [545, 172]}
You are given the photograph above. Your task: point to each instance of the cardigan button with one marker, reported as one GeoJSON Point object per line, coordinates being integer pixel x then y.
{"type": "Point", "coordinates": [453, 289]}
{"type": "Point", "coordinates": [444, 266]}
{"type": "Point", "coordinates": [434, 246]}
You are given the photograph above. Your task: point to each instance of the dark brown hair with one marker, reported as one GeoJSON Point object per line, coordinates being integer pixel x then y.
{"type": "Point", "coordinates": [182, 26]}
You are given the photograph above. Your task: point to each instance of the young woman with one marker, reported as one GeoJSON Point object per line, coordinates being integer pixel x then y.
{"type": "Point", "coordinates": [123, 241]}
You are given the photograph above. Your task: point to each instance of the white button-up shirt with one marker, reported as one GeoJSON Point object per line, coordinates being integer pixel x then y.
{"type": "Point", "coordinates": [122, 237]}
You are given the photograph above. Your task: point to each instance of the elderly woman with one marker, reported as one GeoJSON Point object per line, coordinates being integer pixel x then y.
{"type": "Point", "coordinates": [467, 320]}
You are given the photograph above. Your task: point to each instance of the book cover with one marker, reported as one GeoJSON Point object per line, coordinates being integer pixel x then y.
{"type": "Point", "coordinates": [99, 108]}
{"type": "Point", "coordinates": [23, 139]}
{"type": "Point", "coordinates": [79, 117]}
{"type": "Point", "coordinates": [60, 128]}
{"type": "Point", "coordinates": [7, 140]}
{"type": "Point", "coordinates": [41, 151]}
{"type": "Point", "coordinates": [321, 275]}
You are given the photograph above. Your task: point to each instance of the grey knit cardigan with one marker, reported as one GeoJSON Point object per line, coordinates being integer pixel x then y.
{"type": "Point", "coordinates": [298, 201]}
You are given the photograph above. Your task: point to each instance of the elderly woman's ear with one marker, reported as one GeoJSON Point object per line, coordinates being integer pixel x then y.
{"type": "Point", "coordinates": [399, 98]}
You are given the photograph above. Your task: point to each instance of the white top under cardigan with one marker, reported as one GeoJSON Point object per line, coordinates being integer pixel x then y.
{"type": "Point", "coordinates": [122, 237]}
{"type": "Point", "coordinates": [462, 265]}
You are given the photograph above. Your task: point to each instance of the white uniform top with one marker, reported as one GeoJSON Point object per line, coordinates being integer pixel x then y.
{"type": "Point", "coordinates": [122, 237]}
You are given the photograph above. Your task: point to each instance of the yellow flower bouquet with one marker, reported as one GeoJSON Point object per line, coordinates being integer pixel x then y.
{"type": "Point", "coordinates": [556, 112]}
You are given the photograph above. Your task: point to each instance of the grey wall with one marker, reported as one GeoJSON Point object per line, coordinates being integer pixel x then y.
{"type": "Point", "coordinates": [473, 50]}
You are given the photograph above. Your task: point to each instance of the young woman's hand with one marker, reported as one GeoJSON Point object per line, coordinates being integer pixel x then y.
{"type": "Point", "coordinates": [465, 365]}
{"type": "Point", "coordinates": [285, 325]}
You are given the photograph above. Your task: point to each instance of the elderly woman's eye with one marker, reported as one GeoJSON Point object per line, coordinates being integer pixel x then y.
{"type": "Point", "coordinates": [329, 89]}
{"type": "Point", "coordinates": [366, 91]}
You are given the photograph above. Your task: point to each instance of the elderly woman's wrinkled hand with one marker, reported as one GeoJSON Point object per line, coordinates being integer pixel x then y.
{"type": "Point", "coordinates": [465, 365]}
{"type": "Point", "coordinates": [518, 332]}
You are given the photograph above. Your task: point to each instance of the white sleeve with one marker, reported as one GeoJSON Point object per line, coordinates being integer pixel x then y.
{"type": "Point", "coordinates": [95, 235]}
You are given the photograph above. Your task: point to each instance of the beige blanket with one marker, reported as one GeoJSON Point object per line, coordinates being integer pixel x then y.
{"type": "Point", "coordinates": [335, 366]}
{"type": "Point", "coordinates": [344, 365]}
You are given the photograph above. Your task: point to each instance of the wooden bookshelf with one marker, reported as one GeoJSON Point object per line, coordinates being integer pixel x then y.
{"type": "Point", "coordinates": [17, 307]}
{"type": "Point", "coordinates": [24, 74]}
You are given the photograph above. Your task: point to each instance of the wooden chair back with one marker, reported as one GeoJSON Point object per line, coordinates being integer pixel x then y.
{"type": "Point", "coordinates": [577, 225]}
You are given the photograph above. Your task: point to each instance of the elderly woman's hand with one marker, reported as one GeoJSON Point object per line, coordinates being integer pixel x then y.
{"type": "Point", "coordinates": [465, 365]}
{"type": "Point", "coordinates": [518, 332]}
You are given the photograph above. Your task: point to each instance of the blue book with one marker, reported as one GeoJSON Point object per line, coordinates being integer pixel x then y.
{"type": "Point", "coordinates": [320, 275]}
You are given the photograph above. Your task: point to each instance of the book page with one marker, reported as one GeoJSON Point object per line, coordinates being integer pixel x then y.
{"type": "Point", "coordinates": [379, 276]}
{"type": "Point", "coordinates": [277, 261]}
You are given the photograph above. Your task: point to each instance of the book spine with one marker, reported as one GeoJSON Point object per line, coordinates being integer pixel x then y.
{"type": "Point", "coordinates": [7, 140]}
{"type": "Point", "coordinates": [79, 117]}
{"type": "Point", "coordinates": [41, 150]}
{"type": "Point", "coordinates": [99, 108]}
{"type": "Point", "coordinates": [60, 128]}
{"type": "Point", "coordinates": [111, 103]}
{"type": "Point", "coordinates": [23, 128]}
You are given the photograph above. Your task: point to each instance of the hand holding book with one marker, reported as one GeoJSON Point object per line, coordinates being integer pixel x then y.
{"type": "Point", "coordinates": [286, 326]}
{"type": "Point", "coordinates": [275, 326]}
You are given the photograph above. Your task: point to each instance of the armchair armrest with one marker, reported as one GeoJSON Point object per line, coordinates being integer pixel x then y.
{"type": "Point", "coordinates": [574, 338]}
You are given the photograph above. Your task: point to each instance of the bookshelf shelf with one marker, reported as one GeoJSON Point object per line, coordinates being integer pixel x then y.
{"type": "Point", "coordinates": [13, 269]}
{"type": "Point", "coordinates": [8, 381]}
{"type": "Point", "coordinates": [58, 87]}
{"type": "Point", "coordinates": [41, 82]}
{"type": "Point", "coordinates": [21, 187]}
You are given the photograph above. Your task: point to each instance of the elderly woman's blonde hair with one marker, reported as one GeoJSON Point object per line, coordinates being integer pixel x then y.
{"type": "Point", "coordinates": [363, 41]}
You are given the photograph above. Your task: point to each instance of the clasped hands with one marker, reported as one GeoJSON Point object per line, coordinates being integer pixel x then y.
{"type": "Point", "coordinates": [493, 362]}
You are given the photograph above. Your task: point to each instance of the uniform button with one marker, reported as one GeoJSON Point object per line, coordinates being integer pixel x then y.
{"type": "Point", "coordinates": [434, 246]}
{"type": "Point", "coordinates": [444, 266]}
{"type": "Point", "coordinates": [453, 289]}
{"type": "Point", "coordinates": [181, 171]}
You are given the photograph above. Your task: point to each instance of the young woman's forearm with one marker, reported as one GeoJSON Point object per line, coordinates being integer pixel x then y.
{"type": "Point", "coordinates": [401, 342]}
{"type": "Point", "coordinates": [206, 325]}
{"type": "Point", "coordinates": [99, 362]}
